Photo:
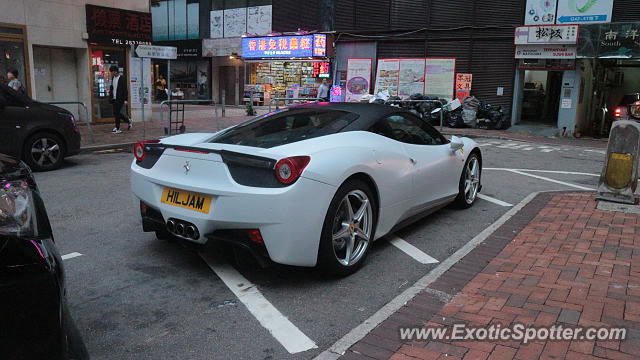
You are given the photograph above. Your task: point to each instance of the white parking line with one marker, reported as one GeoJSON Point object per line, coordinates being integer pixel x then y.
{"type": "Point", "coordinates": [547, 171]}
{"type": "Point", "coordinates": [70, 256]}
{"type": "Point", "coordinates": [412, 251]}
{"type": "Point", "coordinates": [338, 349]}
{"type": "Point", "coordinates": [494, 200]}
{"type": "Point", "coordinates": [549, 179]}
{"type": "Point", "coordinates": [293, 340]}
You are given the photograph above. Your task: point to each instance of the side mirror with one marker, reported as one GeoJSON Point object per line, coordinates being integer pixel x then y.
{"type": "Point", "coordinates": [456, 144]}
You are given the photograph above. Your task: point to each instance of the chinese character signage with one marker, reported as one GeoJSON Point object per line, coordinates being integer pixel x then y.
{"type": "Point", "coordinates": [321, 69]}
{"type": "Point", "coordinates": [463, 85]}
{"type": "Point", "coordinates": [285, 46]}
{"type": "Point", "coordinates": [547, 34]}
{"type": "Point", "coordinates": [118, 27]}
{"type": "Point", "coordinates": [620, 40]}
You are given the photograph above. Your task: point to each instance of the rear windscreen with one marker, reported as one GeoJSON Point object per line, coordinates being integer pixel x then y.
{"type": "Point", "coordinates": [286, 127]}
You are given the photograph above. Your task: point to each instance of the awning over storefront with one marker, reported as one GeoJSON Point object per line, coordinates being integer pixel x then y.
{"type": "Point", "coordinates": [612, 41]}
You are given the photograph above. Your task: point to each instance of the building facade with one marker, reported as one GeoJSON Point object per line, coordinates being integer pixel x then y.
{"type": "Point", "coordinates": [60, 48]}
{"type": "Point", "coordinates": [575, 89]}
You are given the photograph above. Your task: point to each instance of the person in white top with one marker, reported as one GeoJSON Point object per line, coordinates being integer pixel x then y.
{"type": "Point", "coordinates": [323, 90]}
{"type": "Point", "coordinates": [118, 96]}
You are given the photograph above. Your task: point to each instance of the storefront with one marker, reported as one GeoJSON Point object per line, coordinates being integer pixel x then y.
{"type": "Point", "coordinates": [112, 33]}
{"type": "Point", "coordinates": [546, 76]}
{"type": "Point", "coordinates": [188, 77]}
{"type": "Point", "coordinates": [13, 45]}
{"type": "Point", "coordinates": [610, 59]}
{"type": "Point", "coordinates": [285, 66]}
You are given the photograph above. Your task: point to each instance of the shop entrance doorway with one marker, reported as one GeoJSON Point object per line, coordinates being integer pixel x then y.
{"type": "Point", "coordinates": [617, 88]}
{"type": "Point", "coordinates": [541, 96]}
{"type": "Point", "coordinates": [229, 82]}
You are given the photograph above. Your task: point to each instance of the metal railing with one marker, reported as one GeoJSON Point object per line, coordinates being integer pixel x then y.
{"type": "Point", "coordinates": [87, 120]}
{"type": "Point", "coordinates": [290, 100]}
{"type": "Point", "coordinates": [169, 104]}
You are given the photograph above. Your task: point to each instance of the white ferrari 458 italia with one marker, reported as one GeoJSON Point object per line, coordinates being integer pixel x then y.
{"type": "Point", "coordinates": [311, 185]}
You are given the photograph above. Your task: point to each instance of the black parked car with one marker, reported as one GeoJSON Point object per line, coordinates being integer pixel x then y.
{"type": "Point", "coordinates": [34, 318]}
{"type": "Point", "coordinates": [40, 134]}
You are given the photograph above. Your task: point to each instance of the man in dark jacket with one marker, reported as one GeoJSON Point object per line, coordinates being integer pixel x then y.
{"type": "Point", "coordinates": [118, 96]}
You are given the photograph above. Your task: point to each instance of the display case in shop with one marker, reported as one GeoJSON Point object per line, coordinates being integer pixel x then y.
{"type": "Point", "coordinates": [276, 77]}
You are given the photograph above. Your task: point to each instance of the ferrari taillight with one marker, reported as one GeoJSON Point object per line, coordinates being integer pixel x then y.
{"type": "Point", "coordinates": [288, 170]}
{"type": "Point", "coordinates": [139, 150]}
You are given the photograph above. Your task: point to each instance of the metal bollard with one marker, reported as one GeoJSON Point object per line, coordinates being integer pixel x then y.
{"type": "Point", "coordinates": [224, 101]}
{"type": "Point", "coordinates": [619, 177]}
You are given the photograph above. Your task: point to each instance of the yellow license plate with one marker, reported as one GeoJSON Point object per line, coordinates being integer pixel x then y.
{"type": "Point", "coordinates": [186, 199]}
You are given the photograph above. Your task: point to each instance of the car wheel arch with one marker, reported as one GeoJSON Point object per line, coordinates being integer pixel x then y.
{"type": "Point", "coordinates": [477, 151]}
{"type": "Point", "coordinates": [367, 179]}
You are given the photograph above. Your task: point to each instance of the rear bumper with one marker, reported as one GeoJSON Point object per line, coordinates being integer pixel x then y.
{"type": "Point", "coordinates": [290, 219]}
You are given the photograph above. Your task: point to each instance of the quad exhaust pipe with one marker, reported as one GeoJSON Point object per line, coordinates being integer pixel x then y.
{"type": "Point", "coordinates": [183, 229]}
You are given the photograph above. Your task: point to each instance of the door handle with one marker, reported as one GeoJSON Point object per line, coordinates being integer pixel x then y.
{"type": "Point", "coordinates": [413, 161]}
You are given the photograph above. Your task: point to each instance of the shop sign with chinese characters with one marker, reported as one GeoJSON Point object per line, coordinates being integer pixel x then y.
{"type": "Point", "coordinates": [547, 34]}
{"type": "Point", "coordinates": [109, 26]}
{"type": "Point", "coordinates": [545, 52]}
{"type": "Point", "coordinates": [296, 46]}
{"type": "Point", "coordinates": [321, 69]}
{"type": "Point", "coordinates": [619, 41]}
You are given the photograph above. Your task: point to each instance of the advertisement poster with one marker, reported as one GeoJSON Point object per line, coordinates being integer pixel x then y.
{"type": "Point", "coordinates": [217, 24]}
{"type": "Point", "coordinates": [463, 85]}
{"type": "Point", "coordinates": [135, 83]}
{"type": "Point", "coordinates": [584, 11]}
{"type": "Point", "coordinates": [358, 79]}
{"type": "Point", "coordinates": [387, 76]}
{"type": "Point", "coordinates": [440, 77]}
{"type": "Point", "coordinates": [540, 12]}
{"type": "Point", "coordinates": [411, 77]}
{"type": "Point", "coordinates": [259, 20]}
{"type": "Point", "coordinates": [235, 22]}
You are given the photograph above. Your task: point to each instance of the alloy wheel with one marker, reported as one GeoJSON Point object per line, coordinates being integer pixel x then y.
{"type": "Point", "coordinates": [471, 180]}
{"type": "Point", "coordinates": [352, 229]}
{"type": "Point", "coordinates": [45, 152]}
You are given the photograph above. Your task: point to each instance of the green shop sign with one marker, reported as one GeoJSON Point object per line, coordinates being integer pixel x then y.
{"type": "Point", "coordinates": [616, 40]}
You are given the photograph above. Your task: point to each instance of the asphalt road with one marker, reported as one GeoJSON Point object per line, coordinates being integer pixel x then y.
{"type": "Point", "coordinates": [135, 297]}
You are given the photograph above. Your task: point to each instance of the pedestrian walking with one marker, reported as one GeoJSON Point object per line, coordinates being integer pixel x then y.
{"type": "Point", "coordinates": [323, 90]}
{"type": "Point", "coordinates": [161, 88]}
{"type": "Point", "coordinates": [118, 96]}
{"type": "Point", "coordinates": [14, 83]}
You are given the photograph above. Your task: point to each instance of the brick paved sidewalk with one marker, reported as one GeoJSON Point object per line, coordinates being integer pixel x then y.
{"type": "Point", "coordinates": [557, 261]}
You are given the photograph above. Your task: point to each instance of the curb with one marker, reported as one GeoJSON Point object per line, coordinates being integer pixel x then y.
{"type": "Point", "coordinates": [500, 231]}
{"type": "Point", "coordinates": [88, 149]}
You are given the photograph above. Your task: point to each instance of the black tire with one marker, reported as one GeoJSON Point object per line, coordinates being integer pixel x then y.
{"type": "Point", "coordinates": [40, 152]}
{"type": "Point", "coordinates": [462, 201]}
{"type": "Point", "coordinates": [327, 256]}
